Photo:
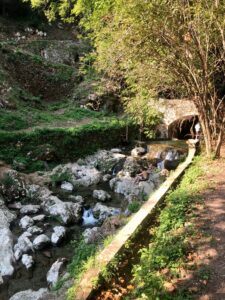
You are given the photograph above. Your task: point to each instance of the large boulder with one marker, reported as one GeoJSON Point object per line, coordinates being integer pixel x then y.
{"type": "Point", "coordinates": [67, 212]}
{"type": "Point", "coordinates": [104, 160]}
{"type": "Point", "coordinates": [79, 175]}
{"type": "Point", "coordinates": [30, 295]}
{"type": "Point", "coordinates": [101, 212]}
{"type": "Point", "coordinates": [101, 195]}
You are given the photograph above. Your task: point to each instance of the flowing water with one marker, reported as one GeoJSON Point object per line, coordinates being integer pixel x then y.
{"type": "Point", "coordinates": [35, 277]}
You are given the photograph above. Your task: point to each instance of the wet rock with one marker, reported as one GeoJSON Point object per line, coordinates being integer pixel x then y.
{"type": "Point", "coordinates": [91, 235]}
{"type": "Point", "coordinates": [68, 212]}
{"type": "Point", "coordinates": [30, 295]}
{"type": "Point", "coordinates": [54, 272]}
{"type": "Point", "coordinates": [102, 212]}
{"type": "Point", "coordinates": [26, 222]}
{"type": "Point", "coordinates": [41, 241]}
{"type": "Point", "coordinates": [34, 230]}
{"type": "Point", "coordinates": [39, 218]}
{"type": "Point", "coordinates": [101, 195]}
{"type": "Point", "coordinates": [23, 245]}
{"type": "Point", "coordinates": [6, 252]}
{"type": "Point", "coordinates": [30, 209]}
{"type": "Point", "coordinates": [58, 234]}
{"type": "Point", "coordinates": [138, 151]}
{"type": "Point", "coordinates": [67, 186]}
{"type": "Point", "coordinates": [27, 261]}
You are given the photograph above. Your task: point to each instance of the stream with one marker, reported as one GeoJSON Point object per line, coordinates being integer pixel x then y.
{"type": "Point", "coordinates": [112, 172]}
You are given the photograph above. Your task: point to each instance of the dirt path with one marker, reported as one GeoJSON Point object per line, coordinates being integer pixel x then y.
{"type": "Point", "coordinates": [207, 279]}
{"type": "Point", "coordinates": [212, 219]}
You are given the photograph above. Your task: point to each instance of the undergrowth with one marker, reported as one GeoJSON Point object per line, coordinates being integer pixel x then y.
{"type": "Point", "coordinates": [169, 245]}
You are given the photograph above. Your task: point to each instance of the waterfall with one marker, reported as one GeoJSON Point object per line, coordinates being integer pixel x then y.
{"type": "Point", "coordinates": [88, 217]}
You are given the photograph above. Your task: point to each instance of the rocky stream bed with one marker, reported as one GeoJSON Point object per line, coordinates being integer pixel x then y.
{"type": "Point", "coordinates": [41, 213]}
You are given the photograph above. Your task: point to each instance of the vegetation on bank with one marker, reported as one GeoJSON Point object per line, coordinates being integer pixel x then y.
{"type": "Point", "coordinates": [33, 148]}
{"type": "Point", "coordinates": [161, 262]}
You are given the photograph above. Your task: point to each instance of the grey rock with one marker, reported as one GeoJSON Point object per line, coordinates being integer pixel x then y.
{"type": "Point", "coordinates": [27, 261]}
{"type": "Point", "coordinates": [68, 212]}
{"type": "Point", "coordinates": [54, 272]}
{"type": "Point", "coordinates": [67, 186]}
{"type": "Point", "coordinates": [39, 218]}
{"type": "Point", "coordinates": [30, 209]}
{"type": "Point", "coordinates": [34, 230]}
{"type": "Point", "coordinates": [6, 252]}
{"type": "Point", "coordinates": [41, 241]}
{"type": "Point", "coordinates": [23, 245]}
{"type": "Point", "coordinates": [26, 222]}
{"type": "Point", "coordinates": [101, 195]}
{"type": "Point", "coordinates": [58, 234]}
{"type": "Point", "coordinates": [102, 212]}
{"type": "Point", "coordinates": [30, 295]}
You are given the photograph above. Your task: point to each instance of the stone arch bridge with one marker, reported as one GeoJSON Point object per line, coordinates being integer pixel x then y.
{"type": "Point", "coordinates": [179, 117]}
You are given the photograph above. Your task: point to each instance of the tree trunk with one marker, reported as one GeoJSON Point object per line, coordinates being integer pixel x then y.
{"type": "Point", "coordinates": [219, 141]}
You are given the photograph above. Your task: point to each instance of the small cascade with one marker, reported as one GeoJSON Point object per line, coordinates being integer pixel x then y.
{"type": "Point", "coordinates": [88, 218]}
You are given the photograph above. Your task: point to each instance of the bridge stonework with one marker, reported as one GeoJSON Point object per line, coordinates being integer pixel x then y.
{"type": "Point", "coordinates": [173, 110]}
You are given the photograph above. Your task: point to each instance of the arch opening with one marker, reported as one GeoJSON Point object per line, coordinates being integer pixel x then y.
{"type": "Point", "coordinates": [183, 128]}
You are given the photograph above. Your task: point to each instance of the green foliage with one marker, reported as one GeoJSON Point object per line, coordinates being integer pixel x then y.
{"type": "Point", "coordinates": [134, 206]}
{"type": "Point", "coordinates": [169, 245]}
{"type": "Point", "coordinates": [142, 114]}
{"type": "Point", "coordinates": [60, 177]}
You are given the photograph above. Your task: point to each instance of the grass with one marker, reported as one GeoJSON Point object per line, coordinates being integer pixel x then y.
{"type": "Point", "coordinates": [66, 144]}
{"type": "Point", "coordinates": [169, 245]}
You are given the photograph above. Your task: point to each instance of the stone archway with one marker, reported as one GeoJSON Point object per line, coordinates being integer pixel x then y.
{"type": "Point", "coordinates": [183, 128]}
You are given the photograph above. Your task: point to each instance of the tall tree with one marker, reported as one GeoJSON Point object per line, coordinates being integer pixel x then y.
{"type": "Point", "coordinates": [158, 44]}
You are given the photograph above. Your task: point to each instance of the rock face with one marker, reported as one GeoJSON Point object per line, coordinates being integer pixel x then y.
{"type": "Point", "coordinates": [54, 272]}
{"type": "Point", "coordinates": [41, 241]}
{"type": "Point", "coordinates": [6, 241]}
{"type": "Point", "coordinates": [30, 295]}
{"type": "Point", "coordinates": [23, 245]}
{"type": "Point", "coordinates": [68, 212]}
{"type": "Point", "coordinates": [58, 234]}
{"type": "Point", "coordinates": [101, 195]}
{"type": "Point", "coordinates": [30, 209]}
{"type": "Point", "coordinates": [102, 212]}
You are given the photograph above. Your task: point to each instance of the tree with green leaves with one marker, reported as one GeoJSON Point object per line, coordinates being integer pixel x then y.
{"type": "Point", "coordinates": [163, 44]}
